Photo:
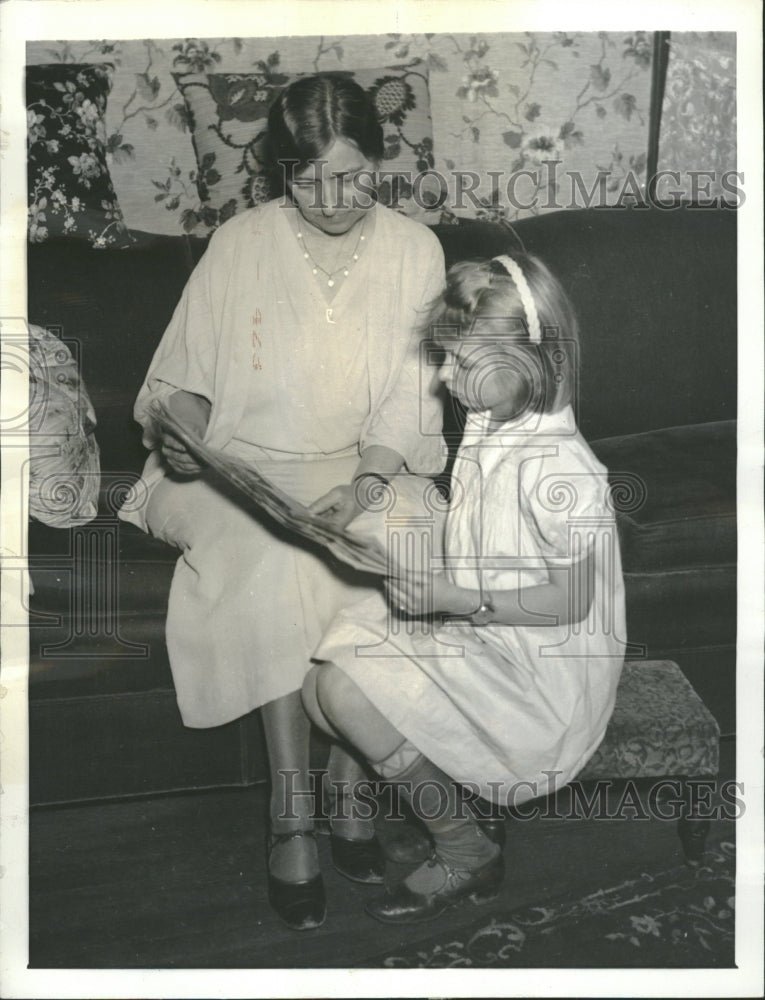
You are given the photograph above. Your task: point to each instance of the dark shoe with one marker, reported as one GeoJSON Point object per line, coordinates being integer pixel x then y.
{"type": "Point", "coordinates": [300, 905]}
{"type": "Point", "coordinates": [402, 906]}
{"type": "Point", "coordinates": [358, 860]}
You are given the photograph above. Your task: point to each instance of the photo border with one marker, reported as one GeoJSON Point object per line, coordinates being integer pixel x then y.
{"type": "Point", "coordinates": [22, 20]}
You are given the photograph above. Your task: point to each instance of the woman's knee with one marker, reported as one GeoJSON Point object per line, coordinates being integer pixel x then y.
{"type": "Point", "coordinates": [176, 512]}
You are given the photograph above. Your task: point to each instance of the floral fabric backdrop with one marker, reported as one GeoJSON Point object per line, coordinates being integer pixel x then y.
{"type": "Point", "coordinates": [500, 103]}
{"type": "Point", "coordinates": [68, 177]}
{"type": "Point", "coordinates": [698, 122]}
{"type": "Point", "coordinates": [228, 119]}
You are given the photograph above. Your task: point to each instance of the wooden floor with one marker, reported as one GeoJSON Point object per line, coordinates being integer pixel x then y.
{"type": "Point", "coordinates": [179, 882]}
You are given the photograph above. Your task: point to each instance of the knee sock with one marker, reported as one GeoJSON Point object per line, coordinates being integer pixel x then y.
{"type": "Point", "coordinates": [435, 799]}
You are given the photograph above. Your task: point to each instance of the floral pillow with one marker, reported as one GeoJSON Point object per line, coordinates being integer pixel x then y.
{"type": "Point", "coordinates": [70, 191]}
{"type": "Point", "coordinates": [228, 113]}
{"type": "Point", "coordinates": [64, 468]}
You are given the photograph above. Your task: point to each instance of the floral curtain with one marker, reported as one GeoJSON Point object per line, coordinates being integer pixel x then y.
{"type": "Point", "coordinates": [698, 121]}
{"type": "Point", "coordinates": [539, 119]}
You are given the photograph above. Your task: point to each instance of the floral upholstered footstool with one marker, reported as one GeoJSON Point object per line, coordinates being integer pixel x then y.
{"type": "Point", "coordinates": [661, 728]}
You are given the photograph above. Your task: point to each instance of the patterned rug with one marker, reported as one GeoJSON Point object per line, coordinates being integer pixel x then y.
{"type": "Point", "coordinates": [678, 918]}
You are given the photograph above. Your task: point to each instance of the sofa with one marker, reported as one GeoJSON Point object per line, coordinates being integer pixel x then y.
{"type": "Point", "coordinates": [655, 292]}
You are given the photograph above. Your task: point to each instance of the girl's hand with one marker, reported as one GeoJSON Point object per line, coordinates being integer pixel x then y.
{"type": "Point", "coordinates": [194, 413]}
{"type": "Point", "coordinates": [424, 593]}
{"type": "Point", "coordinates": [339, 506]}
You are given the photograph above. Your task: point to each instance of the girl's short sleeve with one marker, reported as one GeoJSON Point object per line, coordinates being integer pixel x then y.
{"type": "Point", "coordinates": [563, 494]}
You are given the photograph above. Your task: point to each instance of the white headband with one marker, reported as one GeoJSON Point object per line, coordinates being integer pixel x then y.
{"type": "Point", "coordinates": [513, 268]}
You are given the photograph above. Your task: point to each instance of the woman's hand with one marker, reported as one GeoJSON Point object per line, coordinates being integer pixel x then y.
{"type": "Point", "coordinates": [339, 506]}
{"type": "Point", "coordinates": [419, 593]}
{"type": "Point", "coordinates": [345, 502]}
{"type": "Point", "coordinates": [194, 413]}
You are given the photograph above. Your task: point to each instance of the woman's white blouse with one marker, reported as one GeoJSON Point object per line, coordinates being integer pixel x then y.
{"type": "Point", "coordinates": [291, 376]}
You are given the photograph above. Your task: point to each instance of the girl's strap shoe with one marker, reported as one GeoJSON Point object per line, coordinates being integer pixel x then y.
{"type": "Point", "coordinates": [401, 905]}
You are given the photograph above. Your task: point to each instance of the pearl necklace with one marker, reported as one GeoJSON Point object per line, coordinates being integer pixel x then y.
{"type": "Point", "coordinates": [345, 268]}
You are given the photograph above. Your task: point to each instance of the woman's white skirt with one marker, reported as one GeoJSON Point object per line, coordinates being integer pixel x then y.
{"type": "Point", "coordinates": [248, 603]}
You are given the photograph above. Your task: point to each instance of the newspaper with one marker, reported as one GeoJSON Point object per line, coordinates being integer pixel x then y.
{"type": "Point", "coordinates": [365, 554]}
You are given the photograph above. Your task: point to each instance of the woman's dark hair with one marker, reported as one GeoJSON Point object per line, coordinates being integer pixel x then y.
{"type": "Point", "coordinates": [311, 114]}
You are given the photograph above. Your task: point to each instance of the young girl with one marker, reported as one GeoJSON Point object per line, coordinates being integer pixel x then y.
{"type": "Point", "coordinates": [510, 689]}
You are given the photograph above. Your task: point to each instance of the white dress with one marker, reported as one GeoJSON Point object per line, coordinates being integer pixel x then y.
{"type": "Point", "coordinates": [509, 711]}
{"type": "Point", "coordinates": [299, 386]}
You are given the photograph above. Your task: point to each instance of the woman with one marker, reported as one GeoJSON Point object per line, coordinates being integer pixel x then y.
{"type": "Point", "coordinates": [294, 346]}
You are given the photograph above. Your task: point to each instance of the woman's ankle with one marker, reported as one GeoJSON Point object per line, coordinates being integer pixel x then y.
{"type": "Point", "coordinates": [281, 823]}
{"type": "Point", "coordinates": [293, 858]}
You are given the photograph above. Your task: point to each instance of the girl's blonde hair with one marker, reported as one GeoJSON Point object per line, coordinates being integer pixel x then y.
{"type": "Point", "coordinates": [482, 300]}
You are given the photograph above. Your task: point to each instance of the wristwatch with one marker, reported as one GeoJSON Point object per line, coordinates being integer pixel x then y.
{"type": "Point", "coordinates": [378, 476]}
{"type": "Point", "coordinates": [485, 613]}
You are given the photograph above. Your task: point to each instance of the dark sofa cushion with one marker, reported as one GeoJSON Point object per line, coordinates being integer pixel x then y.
{"type": "Point", "coordinates": [683, 509]}
{"type": "Point", "coordinates": [97, 614]}
{"type": "Point", "coordinates": [628, 272]}
{"type": "Point", "coordinates": [111, 307]}
{"type": "Point", "coordinates": [66, 661]}
{"type": "Point", "coordinates": [682, 609]}
{"type": "Point", "coordinates": [145, 565]}
{"type": "Point", "coordinates": [655, 294]}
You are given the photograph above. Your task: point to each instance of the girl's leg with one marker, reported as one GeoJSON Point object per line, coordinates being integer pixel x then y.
{"type": "Point", "coordinates": [311, 705]}
{"type": "Point", "coordinates": [287, 731]}
{"type": "Point", "coordinates": [341, 705]}
{"type": "Point", "coordinates": [467, 857]}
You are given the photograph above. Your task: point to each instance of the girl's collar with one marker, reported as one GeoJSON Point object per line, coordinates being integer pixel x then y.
{"type": "Point", "coordinates": [482, 424]}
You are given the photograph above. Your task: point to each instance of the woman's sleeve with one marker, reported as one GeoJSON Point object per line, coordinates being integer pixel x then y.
{"type": "Point", "coordinates": [410, 417]}
{"type": "Point", "coordinates": [185, 357]}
